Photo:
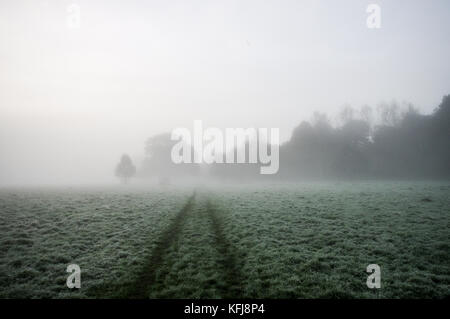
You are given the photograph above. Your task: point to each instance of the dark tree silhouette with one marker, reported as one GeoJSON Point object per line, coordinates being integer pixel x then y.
{"type": "Point", "coordinates": [125, 169]}
{"type": "Point", "coordinates": [405, 144]}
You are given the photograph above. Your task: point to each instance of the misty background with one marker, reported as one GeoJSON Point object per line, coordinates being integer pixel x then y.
{"type": "Point", "coordinates": [72, 101]}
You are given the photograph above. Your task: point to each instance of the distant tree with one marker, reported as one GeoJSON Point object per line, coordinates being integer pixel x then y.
{"type": "Point", "coordinates": [366, 114]}
{"type": "Point", "coordinates": [125, 169]}
{"type": "Point", "coordinates": [389, 114]}
{"type": "Point", "coordinates": [347, 114]}
{"type": "Point", "coordinates": [158, 162]}
{"type": "Point", "coordinates": [321, 121]}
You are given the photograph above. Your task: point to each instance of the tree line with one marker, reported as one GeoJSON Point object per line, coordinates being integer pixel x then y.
{"type": "Point", "coordinates": [390, 141]}
{"type": "Point", "coordinates": [402, 144]}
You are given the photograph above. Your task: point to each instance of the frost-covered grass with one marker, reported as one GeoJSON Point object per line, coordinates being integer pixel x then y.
{"type": "Point", "coordinates": [316, 240]}
{"type": "Point", "coordinates": [191, 268]}
{"type": "Point", "coordinates": [107, 232]}
{"type": "Point", "coordinates": [278, 241]}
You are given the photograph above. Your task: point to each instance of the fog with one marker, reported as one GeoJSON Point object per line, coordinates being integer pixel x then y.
{"type": "Point", "coordinates": [74, 99]}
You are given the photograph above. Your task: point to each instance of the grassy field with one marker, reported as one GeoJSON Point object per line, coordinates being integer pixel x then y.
{"type": "Point", "coordinates": [277, 241]}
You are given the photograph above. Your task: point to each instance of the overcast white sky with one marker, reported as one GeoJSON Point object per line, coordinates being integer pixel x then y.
{"type": "Point", "coordinates": [73, 100]}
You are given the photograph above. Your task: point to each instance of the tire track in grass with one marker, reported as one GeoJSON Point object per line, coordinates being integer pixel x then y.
{"type": "Point", "coordinates": [141, 286]}
{"type": "Point", "coordinates": [232, 287]}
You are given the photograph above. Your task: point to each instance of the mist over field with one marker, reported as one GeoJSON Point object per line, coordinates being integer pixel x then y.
{"type": "Point", "coordinates": [84, 82]}
{"type": "Point", "coordinates": [118, 160]}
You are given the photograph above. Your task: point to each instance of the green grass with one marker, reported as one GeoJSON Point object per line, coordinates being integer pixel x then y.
{"type": "Point", "coordinates": [275, 241]}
